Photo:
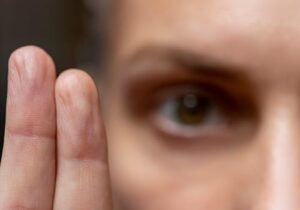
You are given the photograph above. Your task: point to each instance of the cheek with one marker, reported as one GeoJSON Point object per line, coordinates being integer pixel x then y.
{"type": "Point", "coordinates": [148, 175]}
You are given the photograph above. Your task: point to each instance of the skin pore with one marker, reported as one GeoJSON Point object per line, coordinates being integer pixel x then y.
{"type": "Point", "coordinates": [200, 111]}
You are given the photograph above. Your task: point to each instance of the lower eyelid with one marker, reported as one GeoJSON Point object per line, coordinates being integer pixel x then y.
{"type": "Point", "coordinates": [175, 130]}
{"type": "Point", "coordinates": [209, 135]}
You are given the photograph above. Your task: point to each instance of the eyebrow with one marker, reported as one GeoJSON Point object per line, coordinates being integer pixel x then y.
{"type": "Point", "coordinates": [197, 64]}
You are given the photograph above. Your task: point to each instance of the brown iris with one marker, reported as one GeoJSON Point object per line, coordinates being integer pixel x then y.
{"type": "Point", "coordinates": [193, 109]}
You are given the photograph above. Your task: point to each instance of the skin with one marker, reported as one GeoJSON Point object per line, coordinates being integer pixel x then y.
{"type": "Point", "coordinates": [244, 155]}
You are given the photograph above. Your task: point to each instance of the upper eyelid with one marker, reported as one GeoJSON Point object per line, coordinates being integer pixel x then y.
{"type": "Point", "coordinates": [156, 93]}
{"type": "Point", "coordinates": [209, 91]}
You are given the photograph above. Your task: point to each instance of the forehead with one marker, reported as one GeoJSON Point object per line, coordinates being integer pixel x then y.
{"type": "Point", "coordinates": [193, 20]}
{"type": "Point", "coordinates": [236, 31]}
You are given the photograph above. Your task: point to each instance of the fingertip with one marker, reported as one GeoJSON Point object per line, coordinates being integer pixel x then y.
{"type": "Point", "coordinates": [29, 51]}
{"type": "Point", "coordinates": [74, 87]}
{"type": "Point", "coordinates": [32, 63]}
{"type": "Point", "coordinates": [73, 78]}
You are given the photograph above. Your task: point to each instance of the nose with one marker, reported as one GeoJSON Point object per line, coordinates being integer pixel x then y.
{"type": "Point", "coordinates": [279, 135]}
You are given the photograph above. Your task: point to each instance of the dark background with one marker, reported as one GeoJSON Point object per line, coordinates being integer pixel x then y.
{"type": "Point", "coordinates": [68, 30]}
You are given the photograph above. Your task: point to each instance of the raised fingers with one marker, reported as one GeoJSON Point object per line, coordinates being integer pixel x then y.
{"type": "Point", "coordinates": [82, 169]}
{"type": "Point", "coordinates": [27, 172]}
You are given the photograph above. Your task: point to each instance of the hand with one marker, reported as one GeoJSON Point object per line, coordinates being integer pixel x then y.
{"type": "Point", "coordinates": [54, 154]}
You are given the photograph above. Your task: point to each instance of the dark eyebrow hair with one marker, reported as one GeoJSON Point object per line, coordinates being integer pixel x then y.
{"type": "Point", "coordinates": [198, 64]}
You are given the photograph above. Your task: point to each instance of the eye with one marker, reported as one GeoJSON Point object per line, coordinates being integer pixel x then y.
{"type": "Point", "coordinates": [189, 109]}
{"type": "Point", "coordinates": [192, 112]}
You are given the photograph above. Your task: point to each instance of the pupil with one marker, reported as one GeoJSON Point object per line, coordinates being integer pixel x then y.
{"type": "Point", "coordinates": [190, 101]}
{"type": "Point", "coordinates": [193, 109]}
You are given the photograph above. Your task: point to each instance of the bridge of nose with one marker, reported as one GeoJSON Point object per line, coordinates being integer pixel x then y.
{"type": "Point", "coordinates": [279, 141]}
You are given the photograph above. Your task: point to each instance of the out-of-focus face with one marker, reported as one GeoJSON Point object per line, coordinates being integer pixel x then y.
{"type": "Point", "coordinates": [202, 105]}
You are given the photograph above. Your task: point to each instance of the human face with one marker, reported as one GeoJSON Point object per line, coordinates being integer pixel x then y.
{"type": "Point", "coordinates": [202, 105]}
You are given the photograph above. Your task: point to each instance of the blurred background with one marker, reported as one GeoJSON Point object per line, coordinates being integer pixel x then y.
{"type": "Point", "coordinates": [69, 30]}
